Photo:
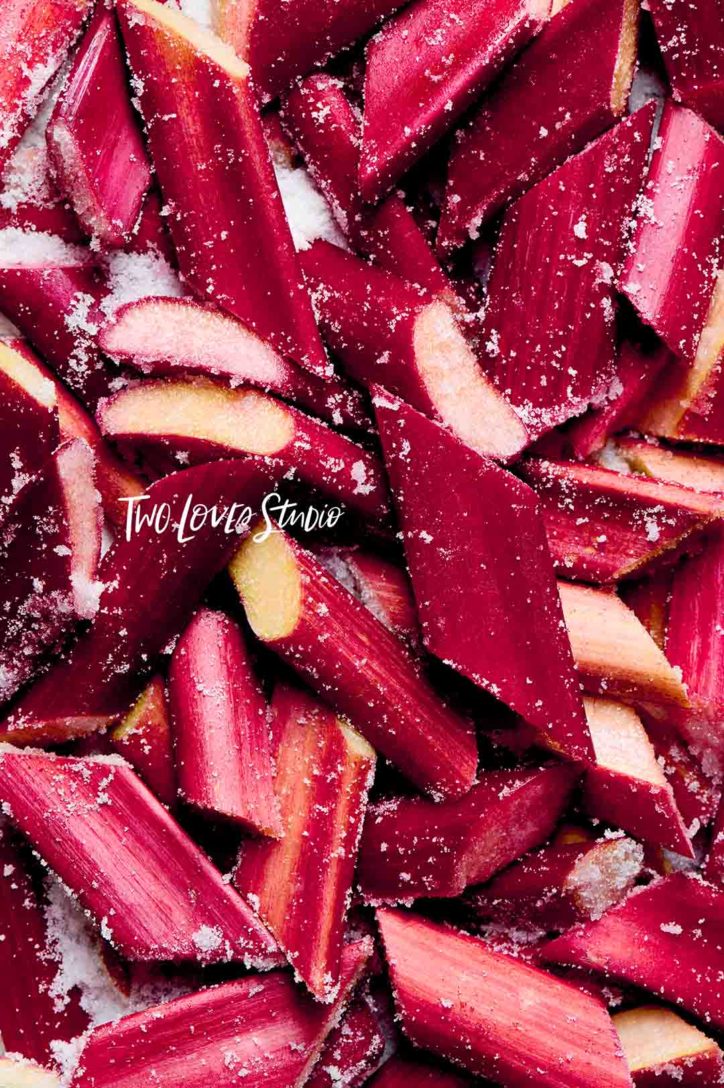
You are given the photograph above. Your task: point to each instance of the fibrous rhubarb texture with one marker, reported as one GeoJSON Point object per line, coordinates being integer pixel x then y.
{"type": "Point", "coordinates": [665, 938]}
{"type": "Point", "coordinates": [691, 39]}
{"type": "Point", "coordinates": [143, 738]}
{"type": "Point", "coordinates": [673, 466]}
{"type": "Point", "coordinates": [498, 567]}
{"type": "Point", "coordinates": [29, 429]}
{"type": "Point", "coordinates": [352, 1051]}
{"type": "Point", "coordinates": [148, 887]}
{"type": "Point", "coordinates": [496, 1015]}
{"type": "Point", "coordinates": [204, 420]}
{"type": "Point", "coordinates": [569, 86]}
{"type": "Point", "coordinates": [385, 331]}
{"type": "Point", "coordinates": [413, 848]}
{"type": "Point", "coordinates": [379, 584]}
{"type": "Point", "coordinates": [400, 1072]}
{"type": "Point", "coordinates": [714, 866]}
{"type": "Point", "coordinates": [220, 726]}
{"type": "Point", "coordinates": [352, 661]}
{"type": "Point", "coordinates": [229, 230]}
{"type": "Point", "coordinates": [178, 535]}
{"type": "Point", "coordinates": [669, 274]}
{"type": "Point", "coordinates": [301, 884]}
{"type": "Point", "coordinates": [549, 323]}
{"type": "Point", "coordinates": [662, 1049]}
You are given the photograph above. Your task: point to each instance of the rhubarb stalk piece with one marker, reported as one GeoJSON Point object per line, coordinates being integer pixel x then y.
{"type": "Point", "coordinates": [380, 585]}
{"type": "Point", "coordinates": [229, 230]}
{"type": "Point", "coordinates": [29, 429]}
{"type": "Point", "coordinates": [353, 662]}
{"type": "Point", "coordinates": [499, 568]}
{"type": "Point", "coordinates": [662, 1049]}
{"type": "Point", "coordinates": [495, 1015]}
{"type": "Point", "coordinates": [352, 1052]}
{"type": "Point", "coordinates": [412, 848]}
{"type": "Point", "coordinates": [148, 887]}
{"type": "Point", "coordinates": [387, 332]}
{"type": "Point", "coordinates": [714, 866]}
{"type": "Point", "coordinates": [691, 40]}
{"type": "Point", "coordinates": [401, 1072]}
{"type": "Point", "coordinates": [15, 1073]}
{"type": "Point", "coordinates": [301, 885]}
{"type": "Point", "coordinates": [570, 85]}
{"type": "Point", "coordinates": [220, 726]}
{"type": "Point", "coordinates": [673, 466]}
{"type": "Point", "coordinates": [669, 274]}
{"type": "Point", "coordinates": [144, 739]}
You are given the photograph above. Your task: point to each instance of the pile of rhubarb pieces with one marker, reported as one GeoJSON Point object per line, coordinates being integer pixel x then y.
{"type": "Point", "coordinates": [361, 543]}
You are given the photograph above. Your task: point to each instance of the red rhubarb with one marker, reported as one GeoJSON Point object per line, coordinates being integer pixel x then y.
{"type": "Point", "coordinates": [143, 738]}
{"type": "Point", "coordinates": [691, 39]}
{"type": "Point", "coordinates": [16, 1073]}
{"type": "Point", "coordinates": [380, 585]}
{"type": "Point", "coordinates": [662, 1049]}
{"type": "Point", "coordinates": [28, 419]}
{"type": "Point", "coordinates": [714, 867]}
{"type": "Point", "coordinates": [352, 1051]}
{"type": "Point", "coordinates": [401, 1072]}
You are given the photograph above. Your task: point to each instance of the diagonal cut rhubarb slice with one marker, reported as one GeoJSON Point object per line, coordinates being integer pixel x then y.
{"type": "Point", "coordinates": [231, 237]}
{"type": "Point", "coordinates": [29, 430]}
{"type": "Point", "coordinates": [499, 568]}
{"type": "Point", "coordinates": [412, 848]}
{"type": "Point", "coordinates": [220, 726]}
{"type": "Point", "coordinates": [673, 466]}
{"type": "Point", "coordinates": [662, 1049]}
{"type": "Point", "coordinates": [400, 1072]}
{"type": "Point", "coordinates": [352, 661]}
{"type": "Point", "coordinates": [691, 40]}
{"type": "Point", "coordinates": [143, 738]}
{"type": "Point", "coordinates": [148, 887]}
{"type": "Point", "coordinates": [16, 1073]}
{"type": "Point", "coordinates": [352, 1051]}
{"type": "Point", "coordinates": [301, 884]}
{"type": "Point", "coordinates": [495, 1015]}
{"type": "Point", "coordinates": [569, 86]}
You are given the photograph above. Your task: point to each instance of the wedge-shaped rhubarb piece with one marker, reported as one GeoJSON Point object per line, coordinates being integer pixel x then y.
{"type": "Point", "coordinates": [569, 86]}
{"type": "Point", "coordinates": [220, 726]}
{"type": "Point", "coordinates": [627, 787]}
{"type": "Point", "coordinates": [16, 1073]}
{"type": "Point", "coordinates": [714, 867]}
{"type": "Point", "coordinates": [28, 419]}
{"type": "Point", "coordinates": [614, 653]}
{"type": "Point", "coordinates": [353, 662]}
{"type": "Point", "coordinates": [205, 420]}
{"type": "Point", "coordinates": [665, 938]}
{"type": "Point", "coordinates": [413, 848]}
{"type": "Point", "coordinates": [498, 567]}
{"type": "Point", "coordinates": [411, 98]}
{"type": "Point", "coordinates": [352, 1051]}
{"type": "Point", "coordinates": [381, 585]}
{"type": "Point", "coordinates": [673, 466]}
{"type": "Point", "coordinates": [696, 793]}
{"type": "Point", "coordinates": [172, 335]}
{"type": "Point", "coordinates": [50, 543]}
{"type": "Point", "coordinates": [301, 885]}
{"type": "Point", "coordinates": [154, 894]}
{"type": "Point", "coordinates": [401, 1072]}
{"type": "Point", "coordinates": [691, 40]}
{"type": "Point", "coordinates": [144, 739]}
{"type": "Point", "coordinates": [549, 323]}
{"type": "Point", "coordinates": [493, 1014]}
{"type": "Point", "coordinates": [178, 535]}
{"type": "Point", "coordinates": [669, 274]}
{"type": "Point", "coordinates": [662, 1049]}
{"type": "Point", "coordinates": [604, 525]}
{"type": "Point", "coordinates": [231, 236]}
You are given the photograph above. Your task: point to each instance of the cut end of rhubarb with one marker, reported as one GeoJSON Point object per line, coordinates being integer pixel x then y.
{"type": "Point", "coordinates": [184, 27]}
{"type": "Point", "coordinates": [76, 466]}
{"type": "Point", "coordinates": [18, 367]}
{"type": "Point", "coordinates": [16, 1073]}
{"type": "Point", "coordinates": [269, 581]}
{"type": "Point", "coordinates": [626, 58]}
{"type": "Point", "coordinates": [652, 1037]}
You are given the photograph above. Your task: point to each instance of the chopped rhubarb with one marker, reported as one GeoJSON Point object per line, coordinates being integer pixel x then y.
{"type": "Point", "coordinates": [401, 1072]}
{"type": "Point", "coordinates": [144, 739]}
{"type": "Point", "coordinates": [16, 1073]}
{"type": "Point", "coordinates": [495, 1015]}
{"type": "Point", "coordinates": [352, 661]}
{"type": "Point", "coordinates": [695, 791]}
{"type": "Point", "coordinates": [673, 466]}
{"type": "Point", "coordinates": [662, 1049]}
{"type": "Point", "coordinates": [565, 89]}
{"type": "Point", "coordinates": [714, 867]}
{"type": "Point", "coordinates": [649, 600]}
{"type": "Point", "coordinates": [29, 429]}
{"type": "Point", "coordinates": [380, 585]}
{"type": "Point", "coordinates": [691, 39]}
{"type": "Point", "coordinates": [413, 848]}
{"type": "Point", "coordinates": [352, 1051]}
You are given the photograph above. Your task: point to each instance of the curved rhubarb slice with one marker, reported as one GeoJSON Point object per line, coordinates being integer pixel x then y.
{"type": "Point", "coordinates": [352, 1051]}
{"type": "Point", "coordinates": [29, 429]}
{"type": "Point", "coordinates": [412, 97]}
{"type": "Point", "coordinates": [662, 1049]}
{"type": "Point", "coordinates": [207, 143]}
{"type": "Point", "coordinates": [401, 1072]}
{"type": "Point", "coordinates": [412, 848]}
{"type": "Point", "coordinates": [387, 332]}
{"type": "Point", "coordinates": [143, 738]}
{"type": "Point", "coordinates": [493, 1014]}
{"type": "Point", "coordinates": [168, 335]}
{"type": "Point", "coordinates": [691, 40]}
{"type": "Point", "coordinates": [668, 275]}
{"type": "Point", "coordinates": [665, 938]}
{"type": "Point", "coordinates": [15, 1073]}
{"type": "Point", "coordinates": [569, 86]}
{"type": "Point", "coordinates": [673, 466]}
{"type": "Point", "coordinates": [153, 893]}
{"type": "Point", "coordinates": [353, 662]}
{"type": "Point", "coordinates": [498, 566]}
{"type": "Point", "coordinates": [301, 885]}
{"type": "Point", "coordinates": [205, 420]}
{"type": "Point", "coordinates": [220, 727]}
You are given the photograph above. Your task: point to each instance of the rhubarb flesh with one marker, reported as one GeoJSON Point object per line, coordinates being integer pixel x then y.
{"type": "Point", "coordinates": [28, 419]}
{"type": "Point", "coordinates": [673, 466]}
{"type": "Point", "coordinates": [661, 1049]}
{"type": "Point", "coordinates": [144, 739]}
{"type": "Point", "coordinates": [15, 1073]}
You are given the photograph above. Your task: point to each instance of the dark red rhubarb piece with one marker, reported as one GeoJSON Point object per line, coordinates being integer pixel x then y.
{"type": "Point", "coordinates": [152, 892]}
{"type": "Point", "coordinates": [353, 662]}
{"type": "Point", "coordinates": [29, 429]}
{"type": "Point", "coordinates": [400, 1072]}
{"type": "Point", "coordinates": [662, 1049]}
{"type": "Point", "coordinates": [231, 237]}
{"type": "Point", "coordinates": [352, 1051]}
{"type": "Point", "coordinates": [499, 567]}
{"type": "Point", "coordinates": [412, 848]}
{"type": "Point", "coordinates": [570, 85]}
{"type": "Point", "coordinates": [691, 39]}
{"type": "Point", "coordinates": [669, 274]}
{"type": "Point", "coordinates": [144, 739]}
{"type": "Point", "coordinates": [495, 1015]}
{"type": "Point", "coordinates": [714, 866]}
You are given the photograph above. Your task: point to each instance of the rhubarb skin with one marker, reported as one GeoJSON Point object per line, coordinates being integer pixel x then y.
{"type": "Point", "coordinates": [665, 938]}
{"type": "Point", "coordinates": [144, 739]}
{"type": "Point", "coordinates": [412, 848]}
{"type": "Point", "coordinates": [412, 98]}
{"type": "Point", "coordinates": [352, 1051]}
{"type": "Point", "coordinates": [603, 525]}
{"type": "Point", "coordinates": [352, 661]}
{"type": "Point", "coordinates": [499, 568]}
{"type": "Point", "coordinates": [662, 1049]}
{"type": "Point", "coordinates": [154, 894]}
{"type": "Point", "coordinates": [152, 583]}
{"type": "Point", "coordinates": [570, 85]}
{"type": "Point", "coordinates": [691, 40]}
{"type": "Point", "coordinates": [714, 865]}
{"type": "Point", "coordinates": [495, 1015]}
{"type": "Point", "coordinates": [220, 726]}
{"type": "Point", "coordinates": [668, 275]}
{"type": "Point", "coordinates": [29, 430]}
{"type": "Point", "coordinates": [231, 237]}
{"type": "Point", "coordinates": [673, 466]}
{"type": "Point", "coordinates": [401, 1072]}
{"type": "Point", "coordinates": [549, 323]}
{"type": "Point", "coordinates": [380, 585]}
